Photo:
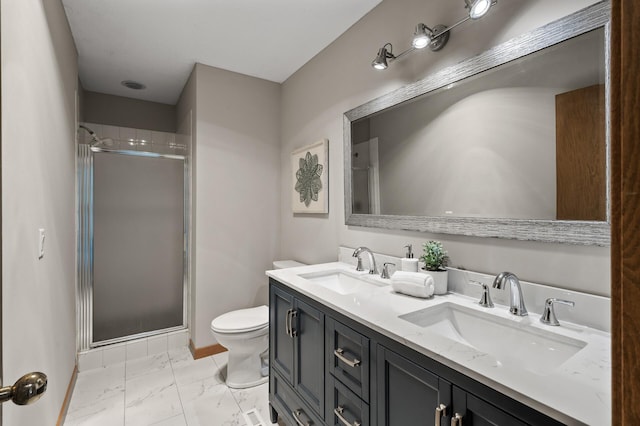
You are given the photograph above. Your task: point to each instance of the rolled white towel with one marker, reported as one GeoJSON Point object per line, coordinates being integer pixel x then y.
{"type": "Point", "coordinates": [413, 284]}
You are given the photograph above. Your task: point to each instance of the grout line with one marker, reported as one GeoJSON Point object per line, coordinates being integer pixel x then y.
{"type": "Point", "coordinates": [177, 389]}
{"type": "Point", "coordinates": [124, 403]}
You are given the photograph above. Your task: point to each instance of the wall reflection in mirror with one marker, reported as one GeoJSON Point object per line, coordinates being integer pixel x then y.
{"type": "Point", "coordinates": [525, 140]}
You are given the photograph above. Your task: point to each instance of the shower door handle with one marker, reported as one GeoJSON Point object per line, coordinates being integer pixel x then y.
{"type": "Point", "coordinates": [26, 390]}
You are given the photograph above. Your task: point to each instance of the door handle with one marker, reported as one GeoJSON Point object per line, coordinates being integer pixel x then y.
{"type": "Point", "coordinates": [287, 323]}
{"type": "Point", "coordinates": [456, 420]}
{"type": "Point", "coordinates": [26, 390]}
{"type": "Point", "coordinates": [294, 314]}
{"type": "Point", "coordinates": [440, 411]}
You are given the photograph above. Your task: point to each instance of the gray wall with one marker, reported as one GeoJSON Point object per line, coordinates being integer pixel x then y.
{"type": "Point", "coordinates": [341, 78]}
{"type": "Point", "coordinates": [39, 80]}
{"type": "Point", "coordinates": [236, 172]}
{"type": "Point", "coordinates": [127, 112]}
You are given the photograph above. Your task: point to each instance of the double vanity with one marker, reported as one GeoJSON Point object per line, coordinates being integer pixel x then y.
{"type": "Point", "coordinates": [347, 350]}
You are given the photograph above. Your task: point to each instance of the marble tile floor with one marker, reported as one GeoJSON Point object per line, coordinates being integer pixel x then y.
{"type": "Point", "coordinates": [167, 389]}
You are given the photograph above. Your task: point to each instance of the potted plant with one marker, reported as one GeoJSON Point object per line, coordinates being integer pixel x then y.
{"type": "Point", "coordinates": [435, 260]}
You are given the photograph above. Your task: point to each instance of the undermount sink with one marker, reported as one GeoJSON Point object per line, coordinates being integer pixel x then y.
{"type": "Point", "coordinates": [507, 342]}
{"type": "Point", "coordinates": [339, 281]}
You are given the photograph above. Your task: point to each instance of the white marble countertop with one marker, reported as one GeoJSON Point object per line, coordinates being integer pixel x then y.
{"type": "Point", "coordinates": [576, 392]}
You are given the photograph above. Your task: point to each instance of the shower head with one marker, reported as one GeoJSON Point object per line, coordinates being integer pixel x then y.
{"type": "Point", "coordinates": [95, 140]}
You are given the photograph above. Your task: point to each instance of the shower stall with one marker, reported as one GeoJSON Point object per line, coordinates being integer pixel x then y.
{"type": "Point", "coordinates": [133, 235]}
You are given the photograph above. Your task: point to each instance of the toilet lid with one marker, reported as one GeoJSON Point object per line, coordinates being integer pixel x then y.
{"type": "Point", "coordinates": [242, 320]}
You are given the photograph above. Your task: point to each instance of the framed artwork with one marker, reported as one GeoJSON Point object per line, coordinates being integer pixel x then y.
{"type": "Point", "coordinates": [310, 178]}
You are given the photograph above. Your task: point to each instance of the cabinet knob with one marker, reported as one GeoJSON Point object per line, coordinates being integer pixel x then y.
{"type": "Point", "coordinates": [441, 410]}
{"type": "Point", "coordinates": [456, 420]}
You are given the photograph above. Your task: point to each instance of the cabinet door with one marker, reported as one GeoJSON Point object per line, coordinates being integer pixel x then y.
{"type": "Point", "coordinates": [473, 411]}
{"type": "Point", "coordinates": [407, 394]}
{"type": "Point", "coordinates": [308, 329]}
{"type": "Point", "coordinates": [281, 342]}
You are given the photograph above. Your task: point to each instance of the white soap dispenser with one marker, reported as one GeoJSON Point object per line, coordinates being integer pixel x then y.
{"type": "Point", "coordinates": [408, 263]}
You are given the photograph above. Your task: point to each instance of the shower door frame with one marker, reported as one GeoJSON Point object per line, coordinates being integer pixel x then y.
{"type": "Point", "coordinates": [85, 246]}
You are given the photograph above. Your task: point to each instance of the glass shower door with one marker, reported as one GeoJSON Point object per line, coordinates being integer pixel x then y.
{"type": "Point", "coordinates": [138, 245]}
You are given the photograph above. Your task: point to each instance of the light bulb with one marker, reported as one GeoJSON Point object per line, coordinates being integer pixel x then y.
{"type": "Point", "coordinates": [479, 8]}
{"type": "Point", "coordinates": [421, 37]}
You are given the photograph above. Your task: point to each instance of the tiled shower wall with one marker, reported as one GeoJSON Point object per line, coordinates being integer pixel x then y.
{"type": "Point", "coordinates": [127, 138]}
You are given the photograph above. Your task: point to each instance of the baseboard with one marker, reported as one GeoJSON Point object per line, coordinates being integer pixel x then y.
{"type": "Point", "coordinates": [67, 397]}
{"type": "Point", "coordinates": [198, 353]}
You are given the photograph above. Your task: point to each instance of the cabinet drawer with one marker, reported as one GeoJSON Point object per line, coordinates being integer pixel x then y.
{"type": "Point", "coordinates": [345, 408]}
{"type": "Point", "coordinates": [348, 358]}
{"type": "Point", "coordinates": [288, 405]}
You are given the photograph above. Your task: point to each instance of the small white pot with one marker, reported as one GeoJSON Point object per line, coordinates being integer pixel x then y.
{"type": "Point", "coordinates": [440, 279]}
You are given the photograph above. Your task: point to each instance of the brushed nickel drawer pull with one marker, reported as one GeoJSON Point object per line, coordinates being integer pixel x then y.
{"type": "Point", "coordinates": [456, 420]}
{"type": "Point", "coordinates": [287, 323]}
{"type": "Point", "coordinates": [339, 353]}
{"type": "Point", "coordinates": [338, 412]}
{"type": "Point", "coordinates": [294, 314]}
{"type": "Point", "coordinates": [296, 417]}
{"type": "Point", "coordinates": [440, 411]}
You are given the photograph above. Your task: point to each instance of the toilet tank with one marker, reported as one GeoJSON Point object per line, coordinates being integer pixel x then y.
{"type": "Point", "coordinates": [283, 264]}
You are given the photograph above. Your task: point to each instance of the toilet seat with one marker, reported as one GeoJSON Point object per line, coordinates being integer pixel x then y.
{"type": "Point", "coordinates": [242, 320]}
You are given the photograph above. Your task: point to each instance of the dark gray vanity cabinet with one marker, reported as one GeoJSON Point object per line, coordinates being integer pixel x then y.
{"type": "Point", "coordinates": [329, 369]}
{"type": "Point", "coordinates": [409, 394]}
{"type": "Point", "coordinates": [296, 340]}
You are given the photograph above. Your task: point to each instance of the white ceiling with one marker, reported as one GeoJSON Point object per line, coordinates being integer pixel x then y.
{"type": "Point", "coordinates": [157, 42]}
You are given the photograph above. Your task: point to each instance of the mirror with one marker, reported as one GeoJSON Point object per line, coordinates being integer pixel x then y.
{"type": "Point", "coordinates": [511, 143]}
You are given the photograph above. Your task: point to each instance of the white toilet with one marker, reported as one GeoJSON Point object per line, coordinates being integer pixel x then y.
{"type": "Point", "coordinates": [245, 333]}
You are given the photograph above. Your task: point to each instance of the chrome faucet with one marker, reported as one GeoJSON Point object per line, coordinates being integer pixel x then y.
{"type": "Point", "coordinates": [516, 300]}
{"type": "Point", "coordinates": [372, 260]}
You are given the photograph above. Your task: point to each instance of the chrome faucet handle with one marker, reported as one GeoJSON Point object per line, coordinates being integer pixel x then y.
{"type": "Point", "coordinates": [385, 270]}
{"type": "Point", "coordinates": [549, 315]}
{"type": "Point", "coordinates": [485, 300]}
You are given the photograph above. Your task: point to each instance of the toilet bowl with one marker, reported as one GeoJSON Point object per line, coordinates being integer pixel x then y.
{"type": "Point", "coordinates": [245, 334]}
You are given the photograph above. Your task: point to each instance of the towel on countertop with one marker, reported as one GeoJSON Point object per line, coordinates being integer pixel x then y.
{"type": "Point", "coordinates": [413, 284]}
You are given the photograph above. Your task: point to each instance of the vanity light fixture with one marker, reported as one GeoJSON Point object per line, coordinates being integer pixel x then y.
{"type": "Point", "coordinates": [380, 62]}
{"type": "Point", "coordinates": [422, 36]}
{"type": "Point", "coordinates": [435, 38]}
